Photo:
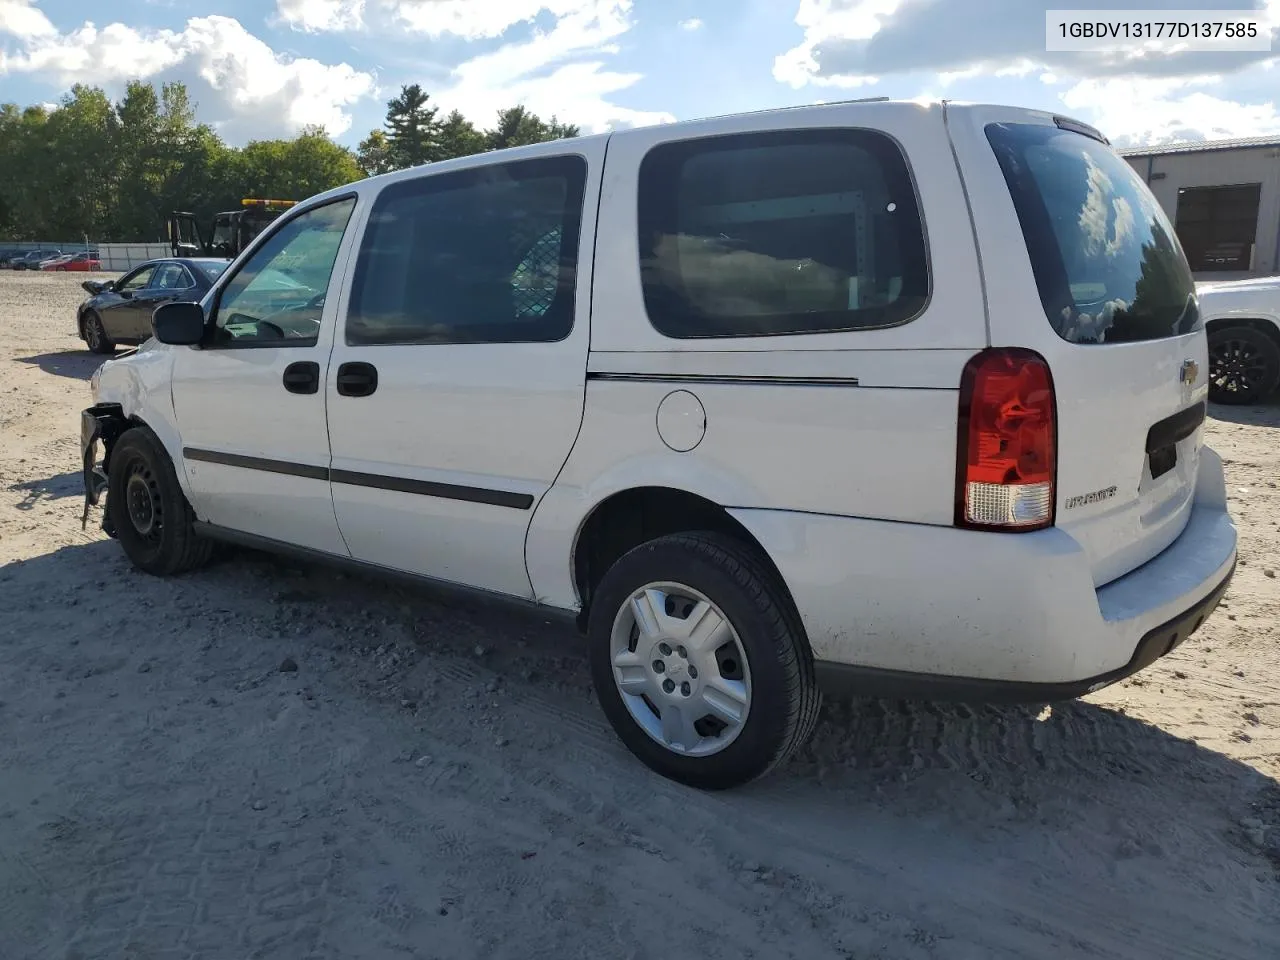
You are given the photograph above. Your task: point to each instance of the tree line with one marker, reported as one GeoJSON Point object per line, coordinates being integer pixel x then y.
{"type": "Point", "coordinates": [113, 171]}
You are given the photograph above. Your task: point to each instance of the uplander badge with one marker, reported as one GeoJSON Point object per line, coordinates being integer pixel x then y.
{"type": "Point", "coordinates": [1096, 497]}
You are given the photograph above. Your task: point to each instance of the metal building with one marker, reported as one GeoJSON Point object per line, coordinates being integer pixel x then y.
{"type": "Point", "coordinates": [1224, 199]}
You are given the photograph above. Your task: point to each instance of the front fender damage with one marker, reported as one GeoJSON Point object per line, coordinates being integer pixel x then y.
{"type": "Point", "coordinates": [102, 423]}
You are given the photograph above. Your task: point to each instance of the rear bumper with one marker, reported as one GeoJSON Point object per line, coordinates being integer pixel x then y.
{"type": "Point", "coordinates": [846, 680]}
{"type": "Point", "coordinates": [909, 609]}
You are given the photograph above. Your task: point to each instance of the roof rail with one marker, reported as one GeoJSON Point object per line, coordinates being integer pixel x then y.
{"type": "Point", "coordinates": [793, 106]}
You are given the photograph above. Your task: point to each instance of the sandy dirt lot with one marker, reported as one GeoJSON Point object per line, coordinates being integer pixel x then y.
{"type": "Point", "coordinates": [265, 760]}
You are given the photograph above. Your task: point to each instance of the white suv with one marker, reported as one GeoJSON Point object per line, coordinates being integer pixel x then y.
{"type": "Point", "coordinates": [875, 396]}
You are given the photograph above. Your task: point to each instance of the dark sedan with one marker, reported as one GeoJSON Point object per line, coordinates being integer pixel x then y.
{"type": "Point", "coordinates": [119, 311]}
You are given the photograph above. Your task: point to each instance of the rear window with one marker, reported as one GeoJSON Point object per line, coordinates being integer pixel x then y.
{"type": "Point", "coordinates": [1105, 257]}
{"type": "Point", "coordinates": [780, 232]}
{"type": "Point", "coordinates": [213, 270]}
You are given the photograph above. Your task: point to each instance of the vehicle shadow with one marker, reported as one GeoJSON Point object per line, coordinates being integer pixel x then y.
{"type": "Point", "coordinates": [1265, 414]}
{"type": "Point", "coordinates": [1092, 821]}
{"type": "Point", "coordinates": [52, 488]}
{"type": "Point", "coordinates": [76, 364]}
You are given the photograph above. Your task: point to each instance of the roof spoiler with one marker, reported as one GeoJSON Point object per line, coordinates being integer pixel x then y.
{"type": "Point", "coordinates": [1075, 126]}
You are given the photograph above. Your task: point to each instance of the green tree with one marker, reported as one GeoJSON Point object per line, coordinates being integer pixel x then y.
{"type": "Point", "coordinates": [293, 169]}
{"type": "Point", "coordinates": [115, 171]}
{"type": "Point", "coordinates": [459, 138]}
{"type": "Point", "coordinates": [374, 154]}
{"type": "Point", "coordinates": [517, 127]}
{"type": "Point", "coordinates": [412, 128]}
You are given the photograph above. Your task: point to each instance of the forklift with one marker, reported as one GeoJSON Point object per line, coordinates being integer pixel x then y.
{"type": "Point", "coordinates": [233, 230]}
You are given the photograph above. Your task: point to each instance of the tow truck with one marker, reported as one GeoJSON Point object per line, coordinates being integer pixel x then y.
{"type": "Point", "coordinates": [233, 230]}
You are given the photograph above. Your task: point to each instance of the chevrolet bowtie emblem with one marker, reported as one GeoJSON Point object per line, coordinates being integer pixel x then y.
{"type": "Point", "coordinates": [1190, 370]}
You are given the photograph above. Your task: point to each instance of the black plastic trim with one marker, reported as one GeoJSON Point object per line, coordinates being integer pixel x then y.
{"type": "Point", "coordinates": [1178, 427]}
{"type": "Point", "coordinates": [843, 680]}
{"type": "Point", "coordinates": [444, 587]}
{"type": "Point", "coordinates": [1076, 126]}
{"type": "Point", "coordinates": [727, 378]}
{"type": "Point", "coordinates": [304, 470]}
{"type": "Point", "coordinates": [426, 488]}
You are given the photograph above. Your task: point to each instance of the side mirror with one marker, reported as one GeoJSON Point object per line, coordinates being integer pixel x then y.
{"type": "Point", "coordinates": [179, 324]}
{"type": "Point", "coordinates": [94, 287]}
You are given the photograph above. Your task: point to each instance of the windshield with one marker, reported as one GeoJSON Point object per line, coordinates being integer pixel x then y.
{"type": "Point", "coordinates": [223, 232]}
{"type": "Point", "coordinates": [1106, 259]}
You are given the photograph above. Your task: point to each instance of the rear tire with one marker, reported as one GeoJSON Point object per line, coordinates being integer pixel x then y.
{"type": "Point", "coordinates": [732, 694]}
{"type": "Point", "coordinates": [95, 335]}
{"type": "Point", "coordinates": [149, 513]}
{"type": "Point", "coordinates": [1244, 365]}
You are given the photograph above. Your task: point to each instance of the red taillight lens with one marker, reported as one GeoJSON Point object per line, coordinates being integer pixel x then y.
{"type": "Point", "coordinates": [1007, 444]}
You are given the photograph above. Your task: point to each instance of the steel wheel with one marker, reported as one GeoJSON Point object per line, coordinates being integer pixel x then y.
{"type": "Point", "coordinates": [146, 509]}
{"type": "Point", "coordinates": [681, 670]}
{"type": "Point", "coordinates": [143, 501]}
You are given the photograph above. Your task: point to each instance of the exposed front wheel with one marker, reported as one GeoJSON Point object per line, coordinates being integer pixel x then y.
{"type": "Point", "coordinates": [148, 510]}
{"type": "Point", "coordinates": [699, 661]}
{"type": "Point", "coordinates": [95, 336]}
{"type": "Point", "coordinates": [1244, 365]}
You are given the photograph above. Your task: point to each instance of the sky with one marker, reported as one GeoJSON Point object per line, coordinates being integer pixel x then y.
{"type": "Point", "coordinates": [265, 68]}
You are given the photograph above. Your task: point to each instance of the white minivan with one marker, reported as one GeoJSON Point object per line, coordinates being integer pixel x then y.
{"type": "Point", "coordinates": [884, 397]}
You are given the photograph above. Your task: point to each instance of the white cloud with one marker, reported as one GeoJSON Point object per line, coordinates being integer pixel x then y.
{"type": "Point", "coordinates": [693, 23]}
{"type": "Point", "coordinates": [1134, 99]}
{"type": "Point", "coordinates": [1163, 109]}
{"type": "Point", "coordinates": [824, 21]}
{"type": "Point", "coordinates": [483, 19]}
{"type": "Point", "coordinates": [846, 40]}
{"type": "Point", "coordinates": [314, 16]}
{"type": "Point", "coordinates": [19, 18]}
{"type": "Point", "coordinates": [558, 72]}
{"type": "Point", "coordinates": [244, 87]}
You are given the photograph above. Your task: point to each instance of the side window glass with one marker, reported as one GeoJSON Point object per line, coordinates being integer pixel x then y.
{"type": "Point", "coordinates": [137, 281]}
{"type": "Point", "coordinates": [486, 255]}
{"type": "Point", "coordinates": [780, 232]}
{"type": "Point", "coordinates": [168, 276]}
{"type": "Point", "coordinates": [276, 297]}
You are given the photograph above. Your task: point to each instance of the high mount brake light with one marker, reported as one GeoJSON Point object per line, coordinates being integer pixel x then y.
{"type": "Point", "coordinates": [1007, 445]}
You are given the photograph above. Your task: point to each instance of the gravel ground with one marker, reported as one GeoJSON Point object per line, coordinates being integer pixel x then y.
{"type": "Point", "coordinates": [265, 760]}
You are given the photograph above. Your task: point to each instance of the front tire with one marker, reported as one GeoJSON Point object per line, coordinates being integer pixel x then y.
{"type": "Point", "coordinates": [700, 662]}
{"type": "Point", "coordinates": [1244, 365]}
{"type": "Point", "coordinates": [147, 510]}
{"type": "Point", "coordinates": [95, 335]}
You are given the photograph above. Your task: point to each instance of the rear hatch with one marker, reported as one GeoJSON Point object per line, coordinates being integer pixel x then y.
{"type": "Point", "coordinates": [1084, 267]}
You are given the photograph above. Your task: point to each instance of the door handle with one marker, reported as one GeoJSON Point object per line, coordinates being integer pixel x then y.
{"type": "Point", "coordinates": [357, 379]}
{"type": "Point", "coordinates": [302, 377]}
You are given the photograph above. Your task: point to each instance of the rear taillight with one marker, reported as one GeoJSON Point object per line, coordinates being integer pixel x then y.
{"type": "Point", "coordinates": [1007, 450]}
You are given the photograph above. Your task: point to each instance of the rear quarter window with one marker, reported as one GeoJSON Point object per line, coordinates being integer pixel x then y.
{"type": "Point", "coordinates": [780, 232]}
{"type": "Point", "coordinates": [1106, 260]}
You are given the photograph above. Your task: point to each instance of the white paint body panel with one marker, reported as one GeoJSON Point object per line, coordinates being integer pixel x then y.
{"type": "Point", "coordinates": [141, 383]}
{"type": "Point", "coordinates": [849, 487]}
{"type": "Point", "coordinates": [1257, 299]}
{"type": "Point", "coordinates": [1108, 395]}
{"type": "Point", "coordinates": [233, 401]}
{"type": "Point", "coordinates": [496, 416]}
{"type": "Point", "coordinates": [936, 600]}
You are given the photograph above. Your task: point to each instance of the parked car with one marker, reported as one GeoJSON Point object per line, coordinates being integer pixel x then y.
{"type": "Point", "coordinates": [1243, 321]}
{"type": "Point", "coordinates": [8, 257]}
{"type": "Point", "coordinates": [119, 311]}
{"type": "Point", "coordinates": [33, 259]}
{"type": "Point", "coordinates": [720, 398]}
{"type": "Point", "coordinates": [83, 262]}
